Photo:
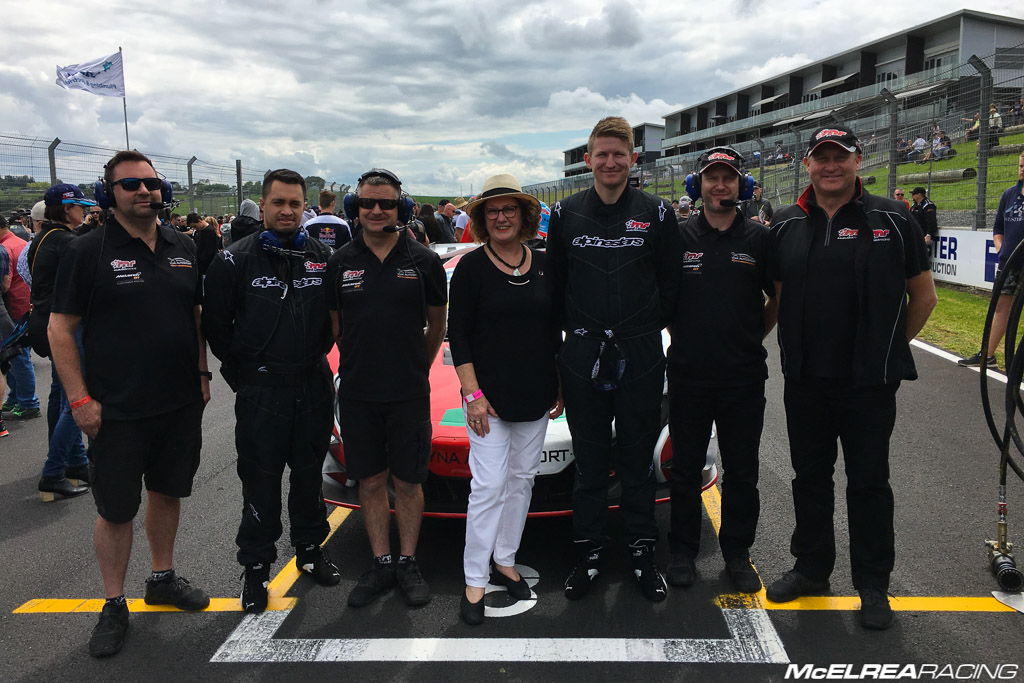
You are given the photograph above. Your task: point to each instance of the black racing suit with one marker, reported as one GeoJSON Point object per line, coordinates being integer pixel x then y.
{"type": "Point", "coordinates": [613, 273]}
{"type": "Point", "coordinates": [265, 317]}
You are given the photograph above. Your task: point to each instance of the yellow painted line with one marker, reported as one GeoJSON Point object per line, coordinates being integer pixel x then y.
{"type": "Point", "coordinates": [850, 603]}
{"type": "Point", "coordinates": [713, 506]}
{"type": "Point", "coordinates": [276, 590]}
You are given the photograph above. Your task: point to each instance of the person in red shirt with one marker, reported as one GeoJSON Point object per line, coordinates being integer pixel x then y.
{"type": "Point", "coordinates": [22, 401]}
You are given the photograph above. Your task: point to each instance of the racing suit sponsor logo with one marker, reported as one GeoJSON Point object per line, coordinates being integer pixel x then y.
{"type": "Point", "coordinates": [588, 241]}
{"type": "Point", "coordinates": [132, 278]}
{"type": "Point", "coordinates": [179, 262]}
{"type": "Point", "coordinates": [636, 226]}
{"type": "Point", "coordinates": [847, 233]}
{"type": "Point", "coordinates": [118, 264]}
{"type": "Point", "coordinates": [880, 235]}
{"type": "Point", "coordinates": [265, 282]}
{"type": "Point", "coordinates": [314, 267]}
{"type": "Point", "coordinates": [737, 257]}
{"type": "Point", "coordinates": [307, 282]}
{"type": "Point", "coordinates": [352, 280]}
{"type": "Point", "coordinates": [407, 273]}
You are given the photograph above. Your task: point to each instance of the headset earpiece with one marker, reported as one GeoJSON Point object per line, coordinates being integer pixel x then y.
{"type": "Point", "coordinates": [104, 199]}
{"type": "Point", "coordinates": [349, 206]}
{"type": "Point", "coordinates": [746, 187]}
{"type": "Point", "coordinates": [693, 186]}
{"type": "Point", "coordinates": [269, 240]}
{"type": "Point", "coordinates": [166, 192]}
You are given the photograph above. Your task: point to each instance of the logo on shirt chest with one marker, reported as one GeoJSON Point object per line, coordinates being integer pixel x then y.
{"type": "Point", "coordinates": [407, 274]}
{"type": "Point", "coordinates": [588, 241]}
{"type": "Point", "coordinates": [265, 282]}
{"type": "Point", "coordinates": [120, 265]}
{"type": "Point", "coordinates": [179, 262]}
{"type": "Point", "coordinates": [880, 235]}
{"type": "Point", "coordinates": [745, 259]}
{"type": "Point", "coordinates": [636, 226]}
{"type": "Point", "coordinates": [847, 233]}
{"type": "Point", "coordinates": [352, 280]}
{"type": "Point", "coordinates": [314, 267]}
{"type": "Point", "coordinates": [693, 260]}
{"type": "Point", "coordinates": [126, 272]}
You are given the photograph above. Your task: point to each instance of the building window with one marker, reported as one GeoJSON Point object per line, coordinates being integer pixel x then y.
{"type": "Point", "coordinates": [809, 97]}
{"type": "Point", "coordinates": [1009, 57]}
{"type": "Point", "coordinates": [885, 77]}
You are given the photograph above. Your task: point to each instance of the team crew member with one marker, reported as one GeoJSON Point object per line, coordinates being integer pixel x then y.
{"type": "Point", "coordinates": [717, 369]}
{"type": "Point", "coordinates": [1007, 233]}
{"type": "Point", "coordinates": [388, 300]}
{"type": "Point", "coordinates": [327, 227]}
{"type": "Point", "coordinates": [503, 344]}
{"type": "Point", "coordinates": [266, 318]}
{"type": "Point", "coordinates": [924, 211]}
{"type": "Point", "coordinates": [757, 208]}
{"type": "Point", "coordinates": [854, 287]}
{"type": "Point", "coordinates": [139, 388]}
{"type": "Point", "coordinates": [613, 268]}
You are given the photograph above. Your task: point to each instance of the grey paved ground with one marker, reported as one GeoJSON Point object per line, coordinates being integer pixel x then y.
{"type": "Point", "coordinates": [944, 476]}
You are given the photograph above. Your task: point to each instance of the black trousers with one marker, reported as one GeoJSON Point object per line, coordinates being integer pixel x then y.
{"type": "Point", "coordinates": [277, 426]}
{"type": "Point", "coordinates": [818, 413]}
{"type": "Point", "coordinates": [636, 409]}
{"type": "Point", "coordinates": [738, 413]}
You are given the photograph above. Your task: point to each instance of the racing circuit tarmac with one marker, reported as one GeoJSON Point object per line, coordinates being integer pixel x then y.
{"type": "Point", "coordinates": [944, 477]}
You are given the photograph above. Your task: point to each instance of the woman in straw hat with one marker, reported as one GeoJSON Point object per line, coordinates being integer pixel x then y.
{"type": "Point", "coordinates": [503, 341]}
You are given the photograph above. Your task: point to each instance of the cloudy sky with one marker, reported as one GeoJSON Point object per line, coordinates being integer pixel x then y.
{"type": "Point", "coordinates": [444, 93]}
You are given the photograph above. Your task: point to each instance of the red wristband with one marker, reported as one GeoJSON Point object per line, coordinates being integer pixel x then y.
{"type": "Point", "coordinates": [80, 402]}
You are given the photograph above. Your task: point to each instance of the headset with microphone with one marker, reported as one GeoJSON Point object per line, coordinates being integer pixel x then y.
{"type": "Point", "coordinates": [726, 155]}
{"type": "Point", "coordinates": [350, 203]}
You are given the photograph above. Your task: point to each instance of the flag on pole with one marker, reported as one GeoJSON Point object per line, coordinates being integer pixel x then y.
{"type": "Point", "coordinates": [103, 76]}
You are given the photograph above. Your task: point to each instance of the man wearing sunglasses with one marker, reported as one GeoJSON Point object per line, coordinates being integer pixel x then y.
{"type": "Point", "coordinates": [265, 316]}
{"type": "Point", "coordinates": [129, 291]}
{"type": "Point", "coordinates": [388, 299]}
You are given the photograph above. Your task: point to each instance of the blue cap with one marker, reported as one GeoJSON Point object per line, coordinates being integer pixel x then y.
{"type": "Point", "coordinates": [65, 193]}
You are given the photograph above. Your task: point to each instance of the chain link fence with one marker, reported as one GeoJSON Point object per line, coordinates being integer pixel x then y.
{"type": "Point", "coordinates": [964, 178]}
{"type": "Point", "coordinates": [28, 166]}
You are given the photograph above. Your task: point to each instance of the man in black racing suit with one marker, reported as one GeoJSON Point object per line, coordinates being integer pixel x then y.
{"type": "Point", "coordinates": [265, 317]}
{"type": "Point", "coordinates": [611, 264]}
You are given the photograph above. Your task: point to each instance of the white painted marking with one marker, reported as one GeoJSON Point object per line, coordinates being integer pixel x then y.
{"type": "Point", "coordinates": [532, 577]}
{"type": "Point", "coordinates": [753, 640]}
{"type": "Point", "coordinates": [934, 350]}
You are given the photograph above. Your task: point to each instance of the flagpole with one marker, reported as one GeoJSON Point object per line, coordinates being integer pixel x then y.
{"type": "Point", "coordinates": [124, 102]}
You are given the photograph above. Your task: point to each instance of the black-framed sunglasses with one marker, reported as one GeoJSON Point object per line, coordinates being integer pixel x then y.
{"type": "Point", "coordinates": [132, 184]}
{"type": "Point", "coordinates": [369, 202]}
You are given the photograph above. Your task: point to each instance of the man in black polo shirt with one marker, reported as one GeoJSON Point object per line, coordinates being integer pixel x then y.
{"type": "Point", "coordinates": [717, 370]}
{"type": "Point", "coordinates": [854, 287]}
{"type": "Point", "coordinates": [139, 389]}
{"type": "Point", "coordinates": [388, 302]}
{"type": "Point", "coordinates": [265, 317]}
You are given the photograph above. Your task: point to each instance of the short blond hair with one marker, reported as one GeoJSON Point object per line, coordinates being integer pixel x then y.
{"type": "Point", "coordinates": [611, 127]}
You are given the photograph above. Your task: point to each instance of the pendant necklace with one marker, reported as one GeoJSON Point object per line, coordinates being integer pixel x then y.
{"type": "Point", "coordinates": [515, 269]}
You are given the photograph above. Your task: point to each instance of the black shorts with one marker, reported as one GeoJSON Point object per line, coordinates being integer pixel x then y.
{"type": "Point", "coordinates": [163, 449]}
{"type": "Point", "coordinates": [1010, 284]}
{"type": "Point", "coordinates": [391, 436]}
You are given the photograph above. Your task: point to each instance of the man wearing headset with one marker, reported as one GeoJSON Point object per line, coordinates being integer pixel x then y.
{"type": "Point", "coordinates": [265, 317]}
{"type": "Point", "coordinates": [388, 300]}
{"type": "Point", "coordinates": [716, 366]}
{"type": "Point", "coordinates": [138, 385]}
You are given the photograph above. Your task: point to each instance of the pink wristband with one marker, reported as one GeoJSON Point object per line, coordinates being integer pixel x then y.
{"type": "Point", "coordinates": [472, 397]}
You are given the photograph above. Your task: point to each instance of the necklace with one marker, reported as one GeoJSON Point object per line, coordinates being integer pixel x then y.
{"type": "Point", "coordinates": [515, 269]}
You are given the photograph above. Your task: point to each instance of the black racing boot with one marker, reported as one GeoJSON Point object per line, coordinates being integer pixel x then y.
{"type": "Point", "coordinates": [586, 570]}
{"type": "Point", "coordinates": [648, 576]}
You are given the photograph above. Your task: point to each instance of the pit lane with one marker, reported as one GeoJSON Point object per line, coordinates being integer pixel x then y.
{"type": "Point", "coordinates": [943, 466]}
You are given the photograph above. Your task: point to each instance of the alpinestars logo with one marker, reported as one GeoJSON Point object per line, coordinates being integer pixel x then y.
{"type": "Point", "coordinates": [314, 267]}
{"type": "Point", "coordinates": [636, 226]}
{"type": "Point", "coordinates": [268, 282]}
{"type": "Point", "coordinates": [588, 241]}
{"type": "Point", "coordinates": [307, 282]}
{"type": "Point", "coordinates": [118, 264]}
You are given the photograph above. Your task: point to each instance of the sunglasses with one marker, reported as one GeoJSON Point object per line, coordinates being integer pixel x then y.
{"type": "Point", "coordinates": [132, 184]}
{"type": "Point", "coordinates": [369, 202]}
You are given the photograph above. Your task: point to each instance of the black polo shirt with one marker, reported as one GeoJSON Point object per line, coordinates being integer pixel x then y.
{"type": "Point", "coordinates": [382, 351]}
{"type": "Point", "coordinates": [137, 309]}
{"type": "Point", "coordinates": [718, 325]}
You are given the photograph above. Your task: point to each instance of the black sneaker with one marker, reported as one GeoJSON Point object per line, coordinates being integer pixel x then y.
{"type": "Point", "coordinates": [975, 360]}
{"type": "Point", "coordinates": [175, 591]}
{"type": "Point", "coordinates": [587, 569]}
{"type": "Point", "coordinates": [742, 574]}
{"type": "Point", "coordinates": [109, 634]}
{"type": "Point", "coordinates": [371, 586]}
{"type": "Point", "coordinates": [648, 577]}
{"type": "Point", "coordinates": [792, 585]}
{"type": "Point", "coordinates": [255, 579]}
{"type": "Point", "coordinates": [21, 413]}
{"type": "Point", "coordinates": [875, 612]}
{"type": "Point", "coordinates": [314, 560]}
{"type": "Point", "coordinates": [411, 583]}
{"type": "Point", "coordinates": [682, 571]}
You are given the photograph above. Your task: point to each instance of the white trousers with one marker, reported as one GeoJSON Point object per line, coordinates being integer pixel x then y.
{"type": "Point", "coordinates": [503, 464]}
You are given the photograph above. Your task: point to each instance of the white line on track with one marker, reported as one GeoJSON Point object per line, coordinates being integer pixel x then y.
{"type": "Point", "coordinates": [753, 640]}
{"type": "Point", "coordinates": [934, 350]}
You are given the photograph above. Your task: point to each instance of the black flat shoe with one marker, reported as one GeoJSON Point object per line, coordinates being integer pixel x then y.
{"type": "Point", "coordinates": [520, 590]}
{"type": "Point", "coordinates": [471, 612]}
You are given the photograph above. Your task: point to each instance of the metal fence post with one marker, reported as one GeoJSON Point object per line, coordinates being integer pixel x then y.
{"type": "Point", "coordinates": [53, 160]}
{"type": "Point", "coordinates": [892, 104]}
{"type": "Point", "coordinates": [191, 186]}
{"type": "Point", "coordinates": [238, 180]}
{"type": "Point", "coordinates": [760, 161]}
{"type": "Point", "coordinates": [985, 98]}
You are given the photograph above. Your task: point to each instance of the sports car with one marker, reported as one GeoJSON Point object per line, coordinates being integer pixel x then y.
{"type": "Point", "coordinates": [446, 490]}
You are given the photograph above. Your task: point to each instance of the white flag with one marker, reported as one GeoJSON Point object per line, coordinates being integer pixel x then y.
{"type": "Point", "coordinates": [103, 76]}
